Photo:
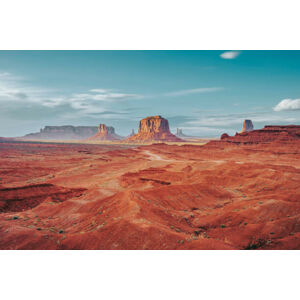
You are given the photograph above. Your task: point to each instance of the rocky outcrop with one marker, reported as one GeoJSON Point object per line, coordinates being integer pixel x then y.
{"type": "Point", "coordinates": [179, 132]}
{"type": "Point", "coordinates": [15, 199]}
{"type": "Point", "coordinates": [270, 133]}
{"type": "Point", "coordinates": [247, 126]}
{"type": "Point", "coordinates": [224, 136]}
{"type": "Point", "coordinates": [66, 132]}
{"type": "Point", "coordinates": [181, 135]}
{"type": "Point", "coordinates": [104, 130]}
{"type": "Point", "coordinates": [132, 133]}
{"type": "Point", "coordinates": [154, 128]}
{"type": "Point", "coordinates": [105, 133]}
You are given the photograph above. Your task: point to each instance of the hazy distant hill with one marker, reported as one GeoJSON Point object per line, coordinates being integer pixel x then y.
{"type": "Point", "coordinates": [66, 132]}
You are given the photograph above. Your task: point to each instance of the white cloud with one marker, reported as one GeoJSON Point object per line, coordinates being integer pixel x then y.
{"type": "Point", "coordinates": [103, 95]}
{"type": "Point", "coordinates": [89, 103]}
{"type": "Point", "coordinates": [230, 54]}
{"type": "Point", "coordinates": [14, 89]}
{"type": "Point", "coordinates": [288, 104]}
{"type": "Point", "coordinates": [193, 91]}
{"type": "Point", "coordinates": [8, 77]}
{"type": "Point", "coordinates": [99, 90]}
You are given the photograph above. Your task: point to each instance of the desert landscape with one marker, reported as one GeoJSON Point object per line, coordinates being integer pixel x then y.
{"type": "Point", "coordinates": [149, 150]}
{"type": "Point", "coordinates": [151, 190]}
{"type": "Point", "coordinates": [167, 173]}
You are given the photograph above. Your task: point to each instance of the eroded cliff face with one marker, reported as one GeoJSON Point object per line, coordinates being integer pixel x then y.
{"type": "Point", "coordinates": [105, 133]}
{"type": "Point", "coordinates": [66, 132]}
{"type": "Point", "coordinates": [155, 124]}
{"type": "Point", "coordinates": [154, 128]}
{"type": "Point", "coordinates": [103, 129]}
{"type": "Point", "coordinates": [247, 126]}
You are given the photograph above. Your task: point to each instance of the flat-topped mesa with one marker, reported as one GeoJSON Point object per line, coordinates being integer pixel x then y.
{"type": "Point", "coordinates": [65, 132]}
{"type": "Point", "coordinates": [270, 133]}
{"type": "Point", "coordinates": [247, 126]}
{"type": "Point", "coordinates": [105, 133]}
{"type": "Point", "coordinates": [154, 128]}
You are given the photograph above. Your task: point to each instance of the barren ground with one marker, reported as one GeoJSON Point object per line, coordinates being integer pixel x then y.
{"type": "Point", "coordinates": [72, 196]}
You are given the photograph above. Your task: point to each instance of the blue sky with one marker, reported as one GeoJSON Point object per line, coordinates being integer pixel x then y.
{"type": "Point", "coordinates": [205, 93]}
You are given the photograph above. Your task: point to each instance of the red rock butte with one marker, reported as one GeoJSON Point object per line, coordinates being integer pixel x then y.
{"type": "Point", "coordinates": [247, 126]}
{"type": "Point", "coordinates": [105, 133]}
{"type": "Point", "coordinates": [154, 128]}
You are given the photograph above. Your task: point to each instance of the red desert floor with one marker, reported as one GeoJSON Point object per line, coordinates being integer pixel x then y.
{"type": "Point", "coordinates": [67, 196]}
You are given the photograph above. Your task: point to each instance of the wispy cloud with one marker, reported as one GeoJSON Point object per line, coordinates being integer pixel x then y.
{"type": "Point", "coordinates": [6, 76]}
{"type": "Point", "coordinates": [287, 104]}
{"type": "Point", "coordinates": [84, 100]}
{"type": "Point", "coordinates": [13, 88]}
{"type": "Point", "coordinates": [99, 90]}
{"type": "Point", "coordinates": [230, 54]}
{"type": "Point", "coordinates": [193, 91]}
{"type": "Point", "coordinates": [236, 119]}
{"type": "Point", "coordinates": [94, 101]}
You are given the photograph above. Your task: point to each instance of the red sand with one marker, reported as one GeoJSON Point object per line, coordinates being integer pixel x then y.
{"type": "Point", "coordinates": [58, 196]}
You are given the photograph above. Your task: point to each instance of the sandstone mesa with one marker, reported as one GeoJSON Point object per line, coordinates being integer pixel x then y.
{"type": "Point", "coordinates": [154, 128]}
{"type": "Point", "coordinates": [65, 132]}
